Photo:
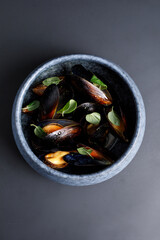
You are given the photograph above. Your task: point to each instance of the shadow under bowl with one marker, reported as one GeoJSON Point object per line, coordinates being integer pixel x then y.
{"type": "Point", "coordinates": [129, 97]}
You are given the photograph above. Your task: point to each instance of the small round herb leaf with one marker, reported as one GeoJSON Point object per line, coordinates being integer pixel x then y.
{"type": "Point", "coordinates": [93, 118]}
{"type": "Point", "coordinates": [84, 151]}
{"type": "Point", "coordinates": [114, 118]}
{"type": "Point", "coordinates": [51, 80]}
{"type": "Point", "coordinates": [69, 107]}
{"type": "Point", "coordinates": [98, 82]}
{"type": "Point", "coordinates": [38, 131]}
{"type": "Point", "coordinates": [32, 106]}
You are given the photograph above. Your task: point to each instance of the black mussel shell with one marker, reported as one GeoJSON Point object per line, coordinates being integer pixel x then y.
{"type": "Point", "coordinates": [86, 108]}
{"type": "Point", "coordinates": [103, 137]}
{"type": "Point", "coordinates": [49, 102]}
{"type": "Point", "coordinates": [87, 90]}
{"type": "Point", "coordinates": [82, 160]}
{"type": "Point", "coordinates": [64, 136]}
{"type": "Point", "coordinates": [66, 93]}
{"type": "Point", "coordinates": [120, 130]}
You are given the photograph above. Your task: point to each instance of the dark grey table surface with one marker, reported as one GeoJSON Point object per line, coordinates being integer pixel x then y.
{"type": "Point", "coordinates": [126, 207]}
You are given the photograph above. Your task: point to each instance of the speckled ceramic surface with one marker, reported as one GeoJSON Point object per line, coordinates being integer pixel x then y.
{"type": "Point", "coordinates": [128, 94]}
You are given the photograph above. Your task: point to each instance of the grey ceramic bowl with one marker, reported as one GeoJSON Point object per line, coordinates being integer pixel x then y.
{"type": "Point", "coordinates": [128, 94]}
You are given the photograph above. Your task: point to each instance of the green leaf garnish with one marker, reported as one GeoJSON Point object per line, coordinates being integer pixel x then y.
{"type": "Point", "coordinates": [32, 106]}
{"type": "Point", "coordinates": [38, 131]}
{"type": "Point", "coordinates": [69, 107]}
{"type": "Point", "coordinates": [93, 118]}
{"type": "Point", "coordinates": [96, 81]}
{"type": "Point", "coordinates": [51, 80]}
{"type": "Point", "coordinates": [114, 117]}
{"type": "Point", "coordinates": [84, 151]}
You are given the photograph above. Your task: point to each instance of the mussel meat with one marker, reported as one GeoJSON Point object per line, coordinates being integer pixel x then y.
{"type": "Point", "coordinates": [88, 89]}
{"type": "Point", "coordinates": [64, 122]}
{"type": "Point", "coordinates": [55, 160]}
{"type": "Point", "coordinates": [49, 102]}
{"type": "Point", "coordinates": [52, 127]}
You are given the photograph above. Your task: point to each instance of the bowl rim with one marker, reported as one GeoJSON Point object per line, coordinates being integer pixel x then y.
{"type": "Point", "coordinates": [73, 179]}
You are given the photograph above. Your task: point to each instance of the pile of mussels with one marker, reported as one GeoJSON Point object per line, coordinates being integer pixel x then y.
{"type": "Point", "coordinates": [76, 121]}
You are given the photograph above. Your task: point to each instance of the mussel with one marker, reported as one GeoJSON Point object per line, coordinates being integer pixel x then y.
{"type": "Point", "coordinates": [77, 159]}
{"type": "Point", "coordinates": [102, 136]}
{"type": "Point", "coordinates": [60, 131]}
{"type": "Point", "coordinates": [95, 158]}
{"type": "Point", "coordinates": [97, 154]}
{"type": "Point", "coordinates": [87, 89]}
{"type": "Point", "coordinates": [82, 72]}
{"type": "Point", "coordinates": [55, 160]}
{"type": "Point", "coordinates": [61, 134]}
{"type": "Point", "coordinates": [119, 128]}
{"type": "Point", "coordinates": [61, 159]}
{"type": "Point", "coordinates": [86, 108]}
{"type": "Point", "coordinates": [66, 93]}
{"type": "Point", "coordinates": [64, 136]}
{"type": "Point", "coordinates": [40, 88]}
{"type": "Point", "coordinates": [49, 102]}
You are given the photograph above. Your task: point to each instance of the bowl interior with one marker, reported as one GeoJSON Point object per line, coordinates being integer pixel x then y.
{"type": "Point", "coordinates": [118, 87]}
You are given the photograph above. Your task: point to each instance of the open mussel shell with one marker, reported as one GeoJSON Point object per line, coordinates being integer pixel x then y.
{"type": "Point", "coordinates": [96, 154]}
{"type": "Point", "coordinates": [120, 129]}
{"type": "Point", "coordinates": [60, 133]}
{"type": "Point", "coordinates": [40, 87]}
{"type": "Point", "coordinates": [55, 160]}
{"type": "Point", "coordinates": [64, 136]}
{"type": "Point", "coordinates": [49, 102]}
{"type": "Point", "coordinates": [52, 125]}
{"type": "Point", "coordinates": [89, 91]}
{"type": "Point", "coordinates": [85, 108]}
{"type": "Point", "coordinates": [61, 159]}
{"type": "Point", "coordinates": [82, 72]}
{"type": "Point", "coordinates": [103, 136]}
{"type": "Point", "coordinates": [66, 93]}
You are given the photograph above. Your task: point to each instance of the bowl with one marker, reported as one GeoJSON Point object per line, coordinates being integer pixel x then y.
{"type": "Point", "coordinates": [128, 94]}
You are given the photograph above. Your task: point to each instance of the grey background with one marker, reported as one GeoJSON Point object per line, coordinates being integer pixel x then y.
{"type": "Point", "coordinates": [126, 207]}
